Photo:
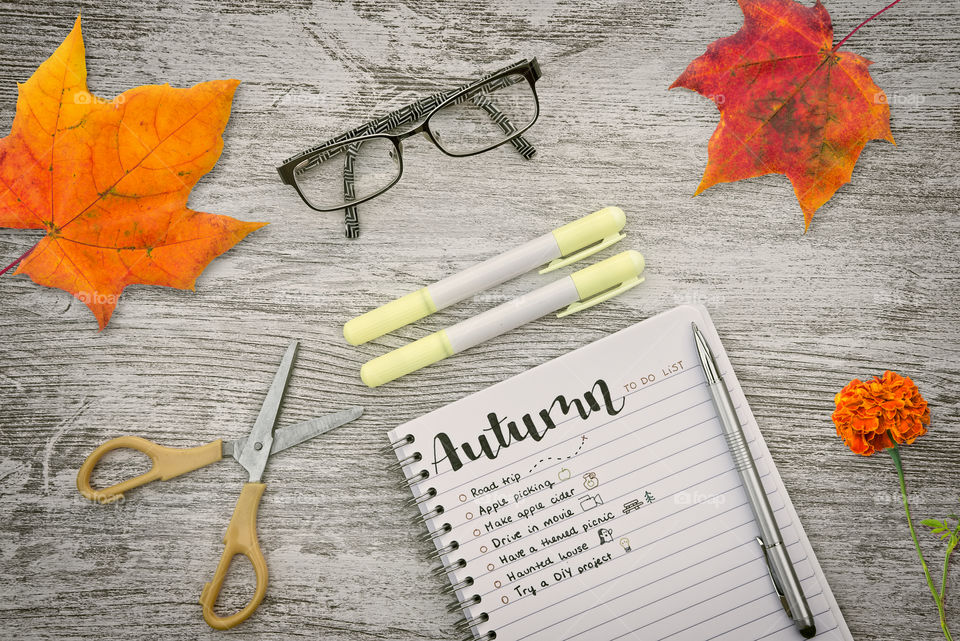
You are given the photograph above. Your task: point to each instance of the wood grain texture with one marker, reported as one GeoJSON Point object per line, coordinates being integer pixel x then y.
{"type": "Point", "coordinates": [875, 284]}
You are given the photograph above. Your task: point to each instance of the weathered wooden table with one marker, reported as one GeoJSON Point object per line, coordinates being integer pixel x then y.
{"type": "Point", "coordinates": [875, 284]}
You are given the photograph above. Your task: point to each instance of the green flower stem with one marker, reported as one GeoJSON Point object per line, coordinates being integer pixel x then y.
{"type": "Point", "coordinates": [946, 564]}
{"type": "Point", "coordinates": [895, 455]}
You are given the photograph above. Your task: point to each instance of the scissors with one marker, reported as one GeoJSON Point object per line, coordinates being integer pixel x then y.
{"type": "Point", "coordinates": [252, 453]}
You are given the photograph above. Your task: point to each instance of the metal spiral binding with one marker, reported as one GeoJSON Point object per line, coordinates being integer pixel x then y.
{"type": "Point", "coordinates": [395, 445]}
{"type": "Point", "coordinates": [444, 570]}
{"type": "Point", "coordinates": [446, 549]}
{"type": "Point", "coordinates": [468, 622]}
{"type": "Point", "coordinates": [436, 534]}
{"type": "Point", "coordinates": [436, 511]}
{"type": "Point", "coordinates": [454, 587]}
{"type": "Point", "coordinates": [410, 481]}
{"type": "Point", "coordinates": [456, 606]}
{"type": "Point", "coordinates": [402, 463]}
{"type": "Point", "coordinates": [426, 496]}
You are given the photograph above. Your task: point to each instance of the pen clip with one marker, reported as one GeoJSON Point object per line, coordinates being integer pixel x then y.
{"type": "Point", "coordinates": [773, 579]}
{"type": "Point", "coordinates": [589, 250]}
{"type": "Point", "coordinates": [581, 305]}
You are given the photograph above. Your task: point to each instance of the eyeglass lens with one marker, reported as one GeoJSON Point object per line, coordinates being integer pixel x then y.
{"type": "Point", "coordinates": [349, 172]}
{"type": "Point", "coordinates": [485, 116]}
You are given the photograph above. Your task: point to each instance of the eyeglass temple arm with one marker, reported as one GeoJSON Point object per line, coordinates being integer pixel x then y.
{"type": "Point", "coordinates": [351, 222]}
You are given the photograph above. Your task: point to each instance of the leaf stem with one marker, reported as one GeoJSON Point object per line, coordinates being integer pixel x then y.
{"type": "Point", "coordinates": [895, 455]}
{"type": "Point", "coordinates": [14, 263]}
{"type": "Point", "coordinates": [837, 46]}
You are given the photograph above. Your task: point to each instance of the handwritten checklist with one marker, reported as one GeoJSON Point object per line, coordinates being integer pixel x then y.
{"type": "Point", "coordinates": [594, 498]}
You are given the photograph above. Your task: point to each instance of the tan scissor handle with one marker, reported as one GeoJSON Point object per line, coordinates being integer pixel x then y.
{"type": "Point", "coordinates": [168, 462]}
{"type": "Point", "coordinates": [241, 538]}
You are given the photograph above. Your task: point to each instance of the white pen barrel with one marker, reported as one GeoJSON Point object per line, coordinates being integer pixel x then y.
{"type": "Point", "coordinates": [494, 271]}
{"type": "Point", "coordinates": [589, 286]}
{"type": "Point", "coordinates": [512, 314]}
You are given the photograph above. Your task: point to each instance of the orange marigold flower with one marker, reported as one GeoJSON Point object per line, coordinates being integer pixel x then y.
{"type": "Point", "coordinates": [869, 413]}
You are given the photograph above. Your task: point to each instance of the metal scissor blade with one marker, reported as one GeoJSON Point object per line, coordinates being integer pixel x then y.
{"type": "Point", "coordinates": [295, 434]}
{"type": "Point", "coordinates": [260, 441]}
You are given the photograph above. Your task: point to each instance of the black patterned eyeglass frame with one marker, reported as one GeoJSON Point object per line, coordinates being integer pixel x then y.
{"type": "Point", "coordinates": [422, 109]}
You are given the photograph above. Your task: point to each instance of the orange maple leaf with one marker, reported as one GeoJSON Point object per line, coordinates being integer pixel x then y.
{"type": "Point", "coordinates": [789, 103]}
{"type": "Point", "coordinates": [109, 179]}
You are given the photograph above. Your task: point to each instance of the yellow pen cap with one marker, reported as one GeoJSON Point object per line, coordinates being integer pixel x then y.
{"type": "Point", "coordinates": [590, 229]}
{"type": "Point", "coordinates": [607, 274]}
{"type": "Point", "coordinates": [386, 318]}
{"type": "Point", "coordinates": [406, 359]}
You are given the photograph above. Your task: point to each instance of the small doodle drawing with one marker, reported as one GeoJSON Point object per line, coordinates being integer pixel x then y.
{"type": "Point", "coordinates": [583, 440]}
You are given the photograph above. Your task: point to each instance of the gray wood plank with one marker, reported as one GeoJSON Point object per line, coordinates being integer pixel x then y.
{"type": "Point", "coordinates": [873, 285]}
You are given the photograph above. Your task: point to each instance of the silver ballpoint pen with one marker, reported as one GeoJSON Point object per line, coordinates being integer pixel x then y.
{"type": "Point", "coordinates": [784, 577]}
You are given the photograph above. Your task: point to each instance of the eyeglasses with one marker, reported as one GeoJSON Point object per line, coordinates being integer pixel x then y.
{"type": "Point", "coordinates": [366, 161]}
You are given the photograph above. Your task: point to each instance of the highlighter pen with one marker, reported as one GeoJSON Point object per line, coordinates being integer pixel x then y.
{"type": "Point", "coordinates": [560, 247]}
{"type": "Point", "coordinates": [782, 574]}
{"type": "Point", "coordinates": [576, 292]}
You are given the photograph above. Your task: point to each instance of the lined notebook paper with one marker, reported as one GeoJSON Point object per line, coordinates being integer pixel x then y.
{"type": "Point", "coordinates": [594, 498]}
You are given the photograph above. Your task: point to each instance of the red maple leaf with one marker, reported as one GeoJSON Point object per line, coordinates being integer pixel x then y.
{"type": "Point", "coordinates": [789, 102]}
{"type": "Point", "coordinates": [108, 181]}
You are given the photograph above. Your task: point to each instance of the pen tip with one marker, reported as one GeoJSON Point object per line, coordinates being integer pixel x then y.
{"type": "Point", "coordinates": [808, 632]}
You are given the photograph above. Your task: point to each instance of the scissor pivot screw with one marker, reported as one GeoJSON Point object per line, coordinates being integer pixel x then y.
{"type": "Point", "coordinates": [258, 446]}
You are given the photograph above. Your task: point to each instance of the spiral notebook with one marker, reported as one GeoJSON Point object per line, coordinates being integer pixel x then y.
{"type": "Point", "coordinates": [594, 498]}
